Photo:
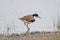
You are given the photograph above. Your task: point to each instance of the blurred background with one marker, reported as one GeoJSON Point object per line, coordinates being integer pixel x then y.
{"type": "Point", "coordinates": [11, 10]}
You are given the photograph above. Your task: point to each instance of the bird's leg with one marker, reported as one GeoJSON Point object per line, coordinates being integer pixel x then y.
{"type": "Point", "coordinates": [27, 27]}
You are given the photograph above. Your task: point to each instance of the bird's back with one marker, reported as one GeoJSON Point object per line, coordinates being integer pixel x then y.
{"type": "Point", "coordinates": [27, 17]}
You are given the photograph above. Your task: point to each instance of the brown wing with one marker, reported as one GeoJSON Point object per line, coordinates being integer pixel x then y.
{"type": "Point", "coordinates": [28, 17]}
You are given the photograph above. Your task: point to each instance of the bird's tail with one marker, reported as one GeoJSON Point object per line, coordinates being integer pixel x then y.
{"type": "Point", "coordinates": [20, 18]}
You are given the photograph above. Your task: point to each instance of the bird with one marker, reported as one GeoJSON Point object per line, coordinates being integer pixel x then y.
{"type": "Point", "coordinates": [29, 19]}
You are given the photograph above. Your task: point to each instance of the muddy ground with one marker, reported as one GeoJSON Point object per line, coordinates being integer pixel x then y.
{"type": "Point", "coordinates": [33, 36]}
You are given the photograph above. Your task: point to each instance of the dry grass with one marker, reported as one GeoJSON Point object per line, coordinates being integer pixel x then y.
{"type": "Point", "coordinates": [33, 36]}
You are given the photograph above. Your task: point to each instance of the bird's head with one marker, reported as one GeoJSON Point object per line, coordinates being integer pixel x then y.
{"type": "Point", "coordinates": [36, 15]}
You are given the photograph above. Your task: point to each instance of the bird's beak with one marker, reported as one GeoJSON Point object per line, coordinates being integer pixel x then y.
{"type": "Point", "coordinates": [39, 17]}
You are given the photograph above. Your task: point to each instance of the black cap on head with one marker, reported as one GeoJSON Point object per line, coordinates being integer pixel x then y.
{"type": "Point", "coordinates": [35, 15]}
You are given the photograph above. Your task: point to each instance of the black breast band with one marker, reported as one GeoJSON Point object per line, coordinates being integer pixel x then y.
{"type": "Point", "coordinates": [32, 20]}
